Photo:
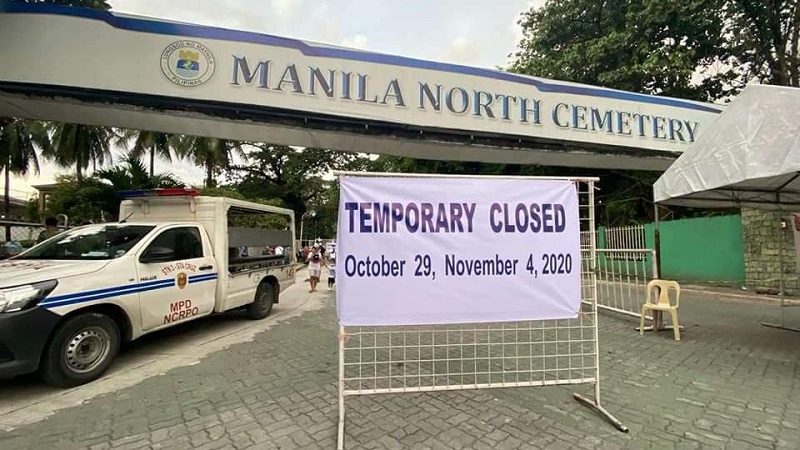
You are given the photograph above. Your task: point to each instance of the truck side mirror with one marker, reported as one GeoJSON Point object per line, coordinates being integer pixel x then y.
{"type": "Point", "coordinates": [157, 254]}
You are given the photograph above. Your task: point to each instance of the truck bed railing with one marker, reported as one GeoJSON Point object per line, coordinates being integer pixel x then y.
{"type": "Point", "coordinates": [251, 263]}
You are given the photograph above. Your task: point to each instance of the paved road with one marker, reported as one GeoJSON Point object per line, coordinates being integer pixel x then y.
{"type": "Point", "coordinates": [26, 399]}
{"type": "Point", "coordinates": [729, 383]}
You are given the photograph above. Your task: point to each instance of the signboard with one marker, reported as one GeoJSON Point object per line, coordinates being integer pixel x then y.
{"type": "Point", "coordinates": [439, 250]}
{"type": "Point", "coordinates": [258, 72]}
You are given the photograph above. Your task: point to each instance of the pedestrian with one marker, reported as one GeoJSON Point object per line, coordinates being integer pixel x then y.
{"type": "Point", "coordinates": [50, 230]}
{"type": "Point", "coordinates": [315, 263]}
{"type": "Point", "coordinates": [331, 270]}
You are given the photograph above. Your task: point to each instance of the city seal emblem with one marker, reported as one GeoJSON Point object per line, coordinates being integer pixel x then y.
{"type": "Point", "coordinates": [181, 280]}
{"type": "Point", "coordinates": [187, 63]}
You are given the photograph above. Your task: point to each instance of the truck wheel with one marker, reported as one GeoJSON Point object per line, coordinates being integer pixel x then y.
{"type": "Point", "coordinates": [262, 305]}
{"type": "Point", "coordinates": [81, 349]}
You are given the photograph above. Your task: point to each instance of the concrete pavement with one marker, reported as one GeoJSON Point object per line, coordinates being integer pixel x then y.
{"type": "Point", "coordinates": [730, 383]}
{"type": "Point", "coordinates": [27, 399]}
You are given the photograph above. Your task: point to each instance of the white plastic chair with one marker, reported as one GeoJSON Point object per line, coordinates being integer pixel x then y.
{"type": "Point", "coordinates": [663, 303]}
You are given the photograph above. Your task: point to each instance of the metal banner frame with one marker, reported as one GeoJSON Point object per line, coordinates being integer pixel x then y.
{"type": "Point", "coordinates": [397, 359]}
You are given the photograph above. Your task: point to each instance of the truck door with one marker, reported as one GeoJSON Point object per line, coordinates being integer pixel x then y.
{"type": "Point", "coordinates": [176, 254]}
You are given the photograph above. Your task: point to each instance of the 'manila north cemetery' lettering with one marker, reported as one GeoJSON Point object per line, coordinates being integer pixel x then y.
{"type": "Point", "coordinates": [360, 88]}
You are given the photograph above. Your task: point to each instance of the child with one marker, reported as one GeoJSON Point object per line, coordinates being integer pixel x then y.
{"type": "Point", "coordinates": [332, 271]}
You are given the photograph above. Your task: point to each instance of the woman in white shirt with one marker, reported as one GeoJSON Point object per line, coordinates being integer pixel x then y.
{"type": "Point", "coordinates": [315, 263]}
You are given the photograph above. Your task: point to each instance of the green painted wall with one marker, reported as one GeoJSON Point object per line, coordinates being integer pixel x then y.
{"type": "Point", "coordinates": [702, 249]}
{"type": "Point", "coordinates": [706, 249]}
{"type": "Point", "coordinates": [601, 237]}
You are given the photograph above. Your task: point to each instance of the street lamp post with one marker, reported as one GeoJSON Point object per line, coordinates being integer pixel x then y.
{"type": "Point", "coordinates": [314, 216]}
{"type": "Point", "coordinates": [302, 220]}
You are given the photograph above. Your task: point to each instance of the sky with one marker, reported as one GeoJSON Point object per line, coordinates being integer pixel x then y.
{"type": "Point", "coordinates": [478, 33]}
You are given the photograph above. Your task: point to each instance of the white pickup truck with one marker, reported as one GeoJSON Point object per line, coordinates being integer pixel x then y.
{"type": "Point", "coordinates": [66, 304]}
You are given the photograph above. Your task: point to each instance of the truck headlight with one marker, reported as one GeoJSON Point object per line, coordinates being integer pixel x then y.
{"type": "Point", "coordinates": [17, 298]}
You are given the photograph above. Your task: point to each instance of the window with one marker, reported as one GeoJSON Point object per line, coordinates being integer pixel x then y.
{"type": "Point", "coordinates": [89, 243]}
{"type": "Point", "coordinates": [173, 245]}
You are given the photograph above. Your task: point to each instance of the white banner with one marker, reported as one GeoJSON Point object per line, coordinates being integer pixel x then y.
{"type": "Point", "coordinates": [439, 250]}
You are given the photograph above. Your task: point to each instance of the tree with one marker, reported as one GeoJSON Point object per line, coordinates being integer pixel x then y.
{"type": "Point", "coordinates": [85, 200]}
{"type": "Point", "coordinates": [79, 146]}
{"type": "Point", "coordinates": [657, 46]}
{"type": "Point", "coordinates": [296, 176]}
{"type": "Point", "coordinates": [622, 200]}
{"type": "Point", "coordinates": [762, 41]}
{"type": "Point", "coordinates": [132, 174]}
{"type": "Point", "coordinates": [386, 163]}
{"type": "Point", "coordinates": [152, 142]}
{"type": "Point", "coordinates": [95, 198]}
{"type": "Point", "coordinates": [650, 46]}
{"type": "Point", "coordinates": [18, 142]}
{"type": "Point", "coordinates": [213, 154]}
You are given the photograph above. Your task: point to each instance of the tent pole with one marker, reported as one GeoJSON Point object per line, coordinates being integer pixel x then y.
{"type": "Point", "coordinates": [657, 318]}
{"type": "Point", "coordinates": [781, 285]}
{"type": "Point", "coordinates": [657, 243]}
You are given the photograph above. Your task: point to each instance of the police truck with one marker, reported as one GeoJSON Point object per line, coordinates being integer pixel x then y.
{"type": "Point", "coordinates": [68, 303]}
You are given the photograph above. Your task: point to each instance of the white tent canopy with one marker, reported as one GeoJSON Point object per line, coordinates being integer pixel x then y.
{"type": "Point", "coordinates": [749, 157]}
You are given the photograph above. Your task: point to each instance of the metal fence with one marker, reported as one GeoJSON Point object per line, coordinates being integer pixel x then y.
{"type": "Point", "coordinates": [625, 238]}
{"type": "Point", "coordinates": [623, 273]}
{"type": "Point", "coordinates": [21, 232]}
{"type": "Point", "coordinates": [23, 236]}
{"type": "Point", "coordinates": [622, 277]}
{"type": "Point", "coordinates": [382, 360]}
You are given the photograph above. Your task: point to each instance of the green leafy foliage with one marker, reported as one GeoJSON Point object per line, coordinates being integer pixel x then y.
{"type": "Point", "coordinates": [132, 174]}
{"type": "Point", "coordinates": [214, 155]}
{"type": "Point", "coordinates": [762, 41]}
{"type": "Point", "coordinates": [151, 143]}
{"type": "Point", "coordinates": [80, 146]}
{"type": "Point", "coordinates": [300, 178]}
{"type": "Point", "coordinates": [622, 200]}
{"type": "Point", "coordinates": [658, 46]}
{"type": "Point", "coordinates": [88, 199]}
{"type": "Point", "coordinates": [650, 46]}
{"type": "Point", "coordinates": [95, 198]}
{"type": "Point", "coordinates": [18, 142]}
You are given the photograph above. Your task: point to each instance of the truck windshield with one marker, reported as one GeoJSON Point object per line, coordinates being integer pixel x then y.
{"type": "Point", "coordinates": [89, 243]}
